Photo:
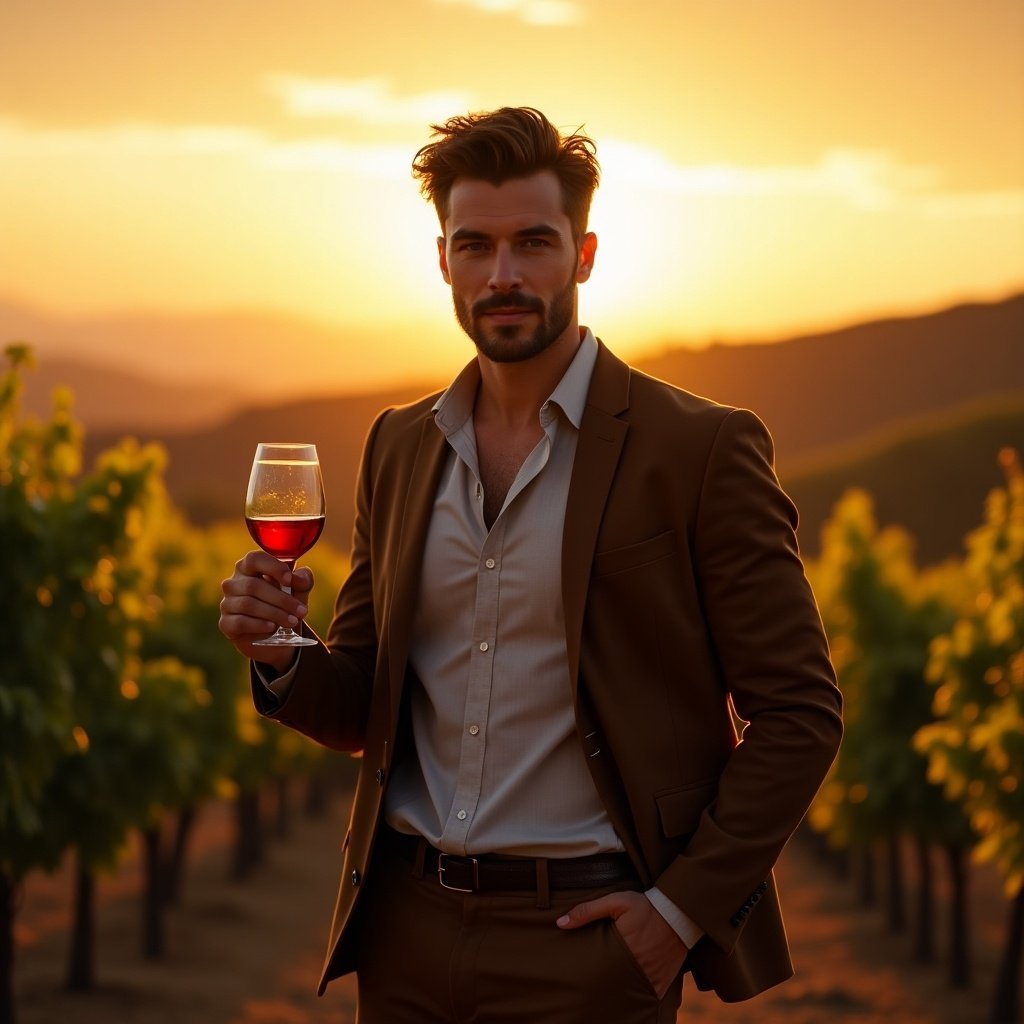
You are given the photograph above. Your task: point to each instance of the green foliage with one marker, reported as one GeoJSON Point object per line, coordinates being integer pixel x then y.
{"type": "Point", "coordinates": [34, 684]}
{"type": "Point", "coordinates": [909, 468]}
{"type": "Point", "coordinates": [77, 598]}
{"type": "Point", "coordinates": [139, 758]}
{"type": "Point", "coordinates": [976, 748]}
{"type": "Point", "coordinates": [239, 749]}
{"type": "Point", "coordinates": [189, 566]}
{"type": "Point", "coordinates": [880, 614]}
{"type": "Point", "coordinates": [119, 698]}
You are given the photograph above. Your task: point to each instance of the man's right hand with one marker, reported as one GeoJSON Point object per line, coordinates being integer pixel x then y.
{"type": "Point", "coordinates": [254, 605]}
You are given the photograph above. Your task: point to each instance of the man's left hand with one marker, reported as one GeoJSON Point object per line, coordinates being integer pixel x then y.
{"type": "Point", "coordinates": [656, 947]}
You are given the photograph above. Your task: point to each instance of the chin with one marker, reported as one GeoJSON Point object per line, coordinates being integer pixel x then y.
{"type": "Point", "coordinates": [507, 348]}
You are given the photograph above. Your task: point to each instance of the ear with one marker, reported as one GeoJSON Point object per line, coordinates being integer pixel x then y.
{"type": "Point", "coordinates": [588, 250]}
{"type": "Point", "coordinates": [442, 259]}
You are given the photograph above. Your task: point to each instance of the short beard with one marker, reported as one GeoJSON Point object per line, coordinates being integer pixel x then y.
{"type": "Point", "coordinates": [503, 345]}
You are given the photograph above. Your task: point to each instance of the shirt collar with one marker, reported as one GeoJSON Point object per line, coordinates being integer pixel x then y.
{"type": "Point", "coordinates": [455, 406]}
{"type": "Point", "coordinates": [571, 391]}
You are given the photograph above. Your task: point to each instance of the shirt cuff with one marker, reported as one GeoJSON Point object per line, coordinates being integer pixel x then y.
{"type": "Point", "coordinates": [684, 926]}
{"type": "Point", "coordinates": [279, 684]}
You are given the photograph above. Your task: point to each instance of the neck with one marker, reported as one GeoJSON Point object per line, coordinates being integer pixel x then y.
{"type": "Point", "coordinates": [512, 393]}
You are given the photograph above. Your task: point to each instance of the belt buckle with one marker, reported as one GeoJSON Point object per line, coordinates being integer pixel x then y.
{"type": "Point", "coordinates": [443, 860]}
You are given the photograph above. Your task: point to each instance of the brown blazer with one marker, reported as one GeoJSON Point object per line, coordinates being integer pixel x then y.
{"type": "Point", "coordinates": [686, 609]}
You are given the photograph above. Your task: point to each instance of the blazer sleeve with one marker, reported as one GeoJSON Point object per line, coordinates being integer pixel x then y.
{"type": "Point", "coordinates": [771, 648]}
{"type": "Point", "coordinates": [329, 695]}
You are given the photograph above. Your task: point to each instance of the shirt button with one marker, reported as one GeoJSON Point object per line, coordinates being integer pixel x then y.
{"type": "Point", "coordinates": [461, 815]}
{"type": "Point", "coordinates": [473, 730]}
{"type": "Point", "coordinates": [490, 563]}
{"type": "Point", "coordinates": [484, 646]}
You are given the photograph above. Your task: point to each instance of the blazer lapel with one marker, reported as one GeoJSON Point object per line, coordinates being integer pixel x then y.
{"type": "Point", "coordinates": [598, 448]}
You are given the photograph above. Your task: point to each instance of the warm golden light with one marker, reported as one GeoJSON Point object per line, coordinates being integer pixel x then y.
{"type": "Point", "coordinates": [768, 167]}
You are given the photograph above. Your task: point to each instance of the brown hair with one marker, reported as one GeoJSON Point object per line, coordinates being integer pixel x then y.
{"type": "Point", "coordinates": [511, 142]}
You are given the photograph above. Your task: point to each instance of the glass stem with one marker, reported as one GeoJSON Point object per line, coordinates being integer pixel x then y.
{"type": "Point", "coordinates": [290, 563]}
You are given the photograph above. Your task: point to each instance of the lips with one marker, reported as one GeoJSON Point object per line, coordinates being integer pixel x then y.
{"type": "Point", "coordinates": [508, 312]}
{"type": "Point", "coordinates": [508, 307]}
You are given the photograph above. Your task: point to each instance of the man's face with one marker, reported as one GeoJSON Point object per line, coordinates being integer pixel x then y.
{"type": "Point", "coordinates": [513, 265]}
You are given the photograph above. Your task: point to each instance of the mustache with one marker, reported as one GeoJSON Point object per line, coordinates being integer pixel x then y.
{"type": "Point", "coordinates": [508, 300]}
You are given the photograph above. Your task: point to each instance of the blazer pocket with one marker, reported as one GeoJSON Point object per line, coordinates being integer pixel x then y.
{"type": "Point", "coordinates": [632, 556]}
{"type": "Point", "coordinates": [680, 809]}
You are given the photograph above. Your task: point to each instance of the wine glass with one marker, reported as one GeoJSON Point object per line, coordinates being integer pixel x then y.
{"type": "Point", "coordinates": [284, 511]}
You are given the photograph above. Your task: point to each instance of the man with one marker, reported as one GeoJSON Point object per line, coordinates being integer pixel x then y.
{"type": "Point", "coordinates": [568, 581]}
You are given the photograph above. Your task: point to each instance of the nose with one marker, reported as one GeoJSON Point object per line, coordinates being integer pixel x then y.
{"type": "Point", "coordinates": [504, 276]}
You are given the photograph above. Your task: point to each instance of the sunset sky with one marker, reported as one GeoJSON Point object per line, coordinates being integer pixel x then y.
{"type": "Point", "coordinates": [770, 166]}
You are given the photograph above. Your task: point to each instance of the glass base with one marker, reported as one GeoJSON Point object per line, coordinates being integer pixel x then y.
{"type": "Point", "coordinates": [285, 638]}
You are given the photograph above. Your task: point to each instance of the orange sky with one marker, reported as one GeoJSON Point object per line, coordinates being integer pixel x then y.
{"type": "Point", "coordinates": [769, 165]}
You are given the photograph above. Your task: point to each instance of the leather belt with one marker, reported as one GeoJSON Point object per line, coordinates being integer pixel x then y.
{"type": "Point", "coordinates": [494, 873]}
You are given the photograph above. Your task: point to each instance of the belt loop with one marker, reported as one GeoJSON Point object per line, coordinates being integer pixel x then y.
{"type": "Point", "coordinates": [421, 856]}
{"type": "Point", "coordinates": [543, 888]}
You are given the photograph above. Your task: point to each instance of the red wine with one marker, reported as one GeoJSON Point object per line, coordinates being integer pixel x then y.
{"type": "Point", "coordinates": [285, 537]}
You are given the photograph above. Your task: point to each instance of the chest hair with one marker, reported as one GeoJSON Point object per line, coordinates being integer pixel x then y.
{"type": "Point", "coordinates": [500, 459]}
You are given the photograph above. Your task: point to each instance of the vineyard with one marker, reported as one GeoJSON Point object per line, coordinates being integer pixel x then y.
{"type": "Point", "coordinates": [123, 712]}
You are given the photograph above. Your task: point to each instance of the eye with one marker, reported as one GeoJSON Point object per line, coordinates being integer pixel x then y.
{"type": "Point", "coordinates": [471, 246]}
{"type": "Point", "coordinates": [538, 242]}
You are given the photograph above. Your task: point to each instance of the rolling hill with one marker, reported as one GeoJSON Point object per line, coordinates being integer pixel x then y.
{"type": "Point", "coordinates": [820, 390]}
{"type": "Point", "coordinates": [108, 399]}
{"type": "Point", "coordinates": [929, 475]}
{"type": "Point", "coordinates": [878, 383]}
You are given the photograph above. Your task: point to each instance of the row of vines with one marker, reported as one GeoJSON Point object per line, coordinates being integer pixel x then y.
{"type": "Point", "coordinates": [931, 664]}
{"type": "Point", "coordinates": [121, 707]}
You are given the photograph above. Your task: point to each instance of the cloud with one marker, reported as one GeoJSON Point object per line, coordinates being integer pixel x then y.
{"type": "Point", "coordinates": [869, 180]}
{"type": "Point", "coordinates": [127, 139]}
{"type": "Point", "coordinates": [114, 144]}
{"type": "Point", "coordinates": [367, 100]}
{"type": "Point", "coordinates": [533, 12]}
{"type": "Point", "coordinates": [1006, 203]}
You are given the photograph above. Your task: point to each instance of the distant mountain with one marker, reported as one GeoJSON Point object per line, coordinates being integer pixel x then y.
{"type": "Point", "coordinates": [209, 469]}
{"type": "Point", "coordinates": [886, 369]}
{"type": "Point", "coordinates": [929, 475]}
{"type": "Point", "coordinates": [257, 355]}
{"type": "Point", "coordinates": [813, 392]}
{"type": "Point", "coordinates": [819, 390]}
{"type": "Point", "coordinates": [108, 399]}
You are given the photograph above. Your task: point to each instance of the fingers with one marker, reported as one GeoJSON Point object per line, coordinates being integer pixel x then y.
{"type": "Point", "coordinates": [593, 910]}
{"type": "Point", "coordinates": [302, 583]}
{"type": "Point", "coordinates": [259, 563]}
{"type": "Point", "coordinates": [657, 949]}
{"type": "Point", "coordinates": [254, 604]}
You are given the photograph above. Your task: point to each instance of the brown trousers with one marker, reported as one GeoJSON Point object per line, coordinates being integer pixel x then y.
{"type": "Point", "coordinates": [428, 955]}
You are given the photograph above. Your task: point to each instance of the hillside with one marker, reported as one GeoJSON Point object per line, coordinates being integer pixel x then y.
{"type": "Point", "coordinates": [262, 355]}
{"type": "Point", "coordinates": [209, 469]}
{"type": "Point", "coordinates": [812, 390]}
{"type": "Point", "coordinates": [110, 399]}
{"type": "Point", "coordinates": [815, 393]}
{"type": "Point", "coordinates": [929, 475]}
{"type": "Point", "coordinates": [819, 390]}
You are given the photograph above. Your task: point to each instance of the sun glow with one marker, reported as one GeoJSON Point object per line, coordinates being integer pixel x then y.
{"type": "Point", "coordinates": [751, 193]}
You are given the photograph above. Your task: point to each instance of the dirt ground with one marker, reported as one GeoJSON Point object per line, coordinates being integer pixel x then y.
{"type": "Point", "coordinates": [250, 952]}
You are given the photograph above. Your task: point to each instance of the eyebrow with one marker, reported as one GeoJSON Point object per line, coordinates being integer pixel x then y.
{"type": "Point", "coordinates": [470, 235]}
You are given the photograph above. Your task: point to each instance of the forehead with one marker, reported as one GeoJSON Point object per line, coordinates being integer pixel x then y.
{"type": "Point", "coordinates": [518, 202]}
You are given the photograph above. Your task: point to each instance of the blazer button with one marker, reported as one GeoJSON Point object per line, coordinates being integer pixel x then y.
{"type": "Point", "coordinates": [380, 776]}
{"type": "Point", "coordinates": [354, 876]}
